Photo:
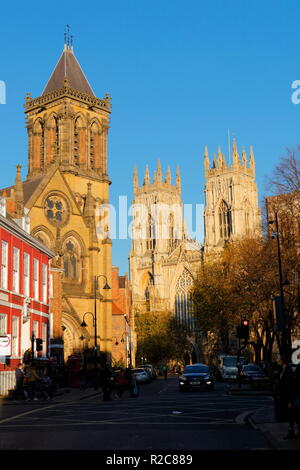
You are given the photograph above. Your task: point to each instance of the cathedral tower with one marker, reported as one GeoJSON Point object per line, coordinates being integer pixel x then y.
{"type": "Point", "coordinates": [231, 201]}
{"type": "Point", "coordinates": [163, 261]}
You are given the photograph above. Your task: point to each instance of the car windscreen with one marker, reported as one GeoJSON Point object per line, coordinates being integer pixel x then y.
{"type": "Point", "coordinates": [138, 370]}
{"type": "Point", "coordinates": [196, 370]}
{"type": "Point", "coordinates": [253, 368]}
{"type": "Point", "coordinates": [231, 361]}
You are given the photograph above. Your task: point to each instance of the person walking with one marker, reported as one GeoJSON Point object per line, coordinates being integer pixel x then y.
{"type": "Point", "coordinates": [31, 379]}
{"type": "Point", "coordinates": [287, 395]}
{"type": "Point", "coordinates": [81, 377]}
{"type": "Point", "coordinates": [106, 382]}
{"type": "Point", "coordinates": [165, 371]}
{"type": "Point", "coordinates": [20, 390]}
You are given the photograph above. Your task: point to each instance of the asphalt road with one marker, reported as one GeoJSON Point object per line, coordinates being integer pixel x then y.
{"type": "Point", "coordinates": [161, 418]}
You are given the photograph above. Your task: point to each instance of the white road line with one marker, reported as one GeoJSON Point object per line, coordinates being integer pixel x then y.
{"type": "Point", "coordinates": [11, 418]}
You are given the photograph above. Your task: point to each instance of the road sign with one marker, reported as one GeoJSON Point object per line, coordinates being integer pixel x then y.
{"type": "Point", "coordinates": [5, 345]}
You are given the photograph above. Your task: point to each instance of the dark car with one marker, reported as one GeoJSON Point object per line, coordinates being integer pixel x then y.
{"type": "Point", "coordinates": [196, 376]}
{"type": "Point", "coordinates": [252, 371]}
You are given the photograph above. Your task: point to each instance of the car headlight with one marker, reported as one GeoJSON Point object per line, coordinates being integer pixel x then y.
{"type": "Point", "coordinates": [182, 377]}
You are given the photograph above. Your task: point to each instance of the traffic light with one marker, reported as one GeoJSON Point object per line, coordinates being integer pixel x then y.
{"type": "Point", "coordinates": [39, 344]}
{"type": "Point", "coordinates": [242, 331]}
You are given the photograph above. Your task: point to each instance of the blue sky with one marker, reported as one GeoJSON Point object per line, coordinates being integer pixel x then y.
{"type": "Point", "coordinates": [179, 73]}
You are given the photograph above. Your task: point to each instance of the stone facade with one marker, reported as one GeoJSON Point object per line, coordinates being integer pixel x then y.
{"type": "Point", "coordinates": [231, 201]}
{"type": "Point", "coordinates": [163, 260]}
{"type": "Point", "coordinates": [67, 181]}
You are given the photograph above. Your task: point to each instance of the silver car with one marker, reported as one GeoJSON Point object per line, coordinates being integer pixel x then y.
{"type": "Point", "coordinates": [141, 376]}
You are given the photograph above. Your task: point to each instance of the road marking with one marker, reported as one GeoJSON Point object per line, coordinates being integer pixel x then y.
{"type": "Point", "coordinates": [240, 419]}
{"type": "Point", "coordinates": [11, 418]}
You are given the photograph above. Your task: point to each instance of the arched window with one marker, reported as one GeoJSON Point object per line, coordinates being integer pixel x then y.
{"type": "Point", "coordinates": [225, 221]}
{"type": "Point", "coordinates": [76, 143]}
{"type": "Point", "coordinates": [247, 217]}
{"type": "Point", "coordinates": [171, 231]}
{"type": "Point", "coordinates": [183, 301]}
{"type": "Point", "coordinates": [151, 236]}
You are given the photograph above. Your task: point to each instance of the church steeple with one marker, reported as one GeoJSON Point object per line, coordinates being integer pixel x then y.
{"type": "Point", "coordinates": [68, 125]}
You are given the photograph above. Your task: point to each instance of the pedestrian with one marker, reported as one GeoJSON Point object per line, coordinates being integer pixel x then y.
{"type": "Point", "coordinates": [106, 381]}
{"type": "Point", "coordinates": [165, 371]}
{"type": "Point", "coordinates": [31, 379]}
{"type": "Point", "coordinates": [287, 395]}
{"type": "Point", "coordinates": [128, 380]}
{"type": "Point", "coordinates": [20, 390]}
{"type": "Point", "coordinates": [81, 377]}
{"type": "Point", "coordinates": [47, 386]}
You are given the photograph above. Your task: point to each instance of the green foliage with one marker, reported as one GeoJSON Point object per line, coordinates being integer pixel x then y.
{"type": "Point", "coordinates": [158, 338]}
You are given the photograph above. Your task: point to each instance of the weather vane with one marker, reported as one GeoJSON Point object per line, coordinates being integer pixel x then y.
{"type": "Point", "coordinates": [68, 37]}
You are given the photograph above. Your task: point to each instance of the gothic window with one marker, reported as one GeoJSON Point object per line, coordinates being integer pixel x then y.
{"type": "Point", "coordinates": [171, 233]}
{"type": "Point", "coordinates": [71, 260]}
{"type": "Point", "coordinates": [225, 221]}
{"type": "Point", "coordinates": [76, 150]}
{"type": "Point", "coordinates": [183, 301]}
{"type": "Point", "coordinates": [151, 236]}
{"type": "Point", "coordinates": [93, 145]}
{"type": "Point", "coordinates": [42, 147]}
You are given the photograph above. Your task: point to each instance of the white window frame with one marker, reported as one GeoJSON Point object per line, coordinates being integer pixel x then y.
{"type": "Point", "coordinates": [35, 331]}
{"type": "Point", "coordinates": [15, 328]}
{"type": "Point", "coordinates": [16, 269]}
{"type": "Point", "coordinates": [4, 264]}
{"type": "Point", "coordinates": [44, 338]}
{"type": "Point", "coordinates": [3, 321]}
{"type": "Point", "coordinates": [36, 267]}
{"type": "Point", "coordinates": [44, 282]}
{"type": "Point", "coordinates": [26, 274]}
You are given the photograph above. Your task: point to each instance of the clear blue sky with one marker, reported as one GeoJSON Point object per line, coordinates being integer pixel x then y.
{"type": "Point", "coordinates": [179, 73]}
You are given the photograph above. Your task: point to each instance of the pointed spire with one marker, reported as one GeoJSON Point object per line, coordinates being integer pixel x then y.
{"type": "Point", "coordinates": [244, 157]}
{"type": "Point", "coordinates": [89, 207]}
{"type": "Point", "coordinates": [159, 172]}
{"type": "Point", "coordinates": [68, 67]}
{"type": "Point", "coordinates": [252, 160]}
{"type": "Point", "coordinates": [215, 161]}
{"type": "Point", "coordinates": [135, 180]}
{"type": "Point", "coordinates": [206, 160]}
{"type": "Point", "coordinates": [169, 176]}
{"type": "Point", "coordinates": [221, 161]}
{"type": "Point", "coordinates": [146, 176]}
{"type": "Point", "coordinates": [19, 193]}
{"type": "Point", "coordinates": [178, 179]}
{"type": "Point", "coordinates": [235, 155]}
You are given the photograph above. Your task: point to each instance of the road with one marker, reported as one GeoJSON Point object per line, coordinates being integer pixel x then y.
{"type": "Point", "coordinates": [160, 418]}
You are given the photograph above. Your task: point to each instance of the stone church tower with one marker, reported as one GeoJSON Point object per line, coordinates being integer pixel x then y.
{"type": "Point", "coordinates": [231, 201]}
{"type": "Point", "coordinates": [67, 180]}
{"type": "Point", "coordinates": [163, 261]}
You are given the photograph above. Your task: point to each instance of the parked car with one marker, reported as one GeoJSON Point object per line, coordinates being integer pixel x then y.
{"type": "Point", "coordinates": [141, 375]}
{"type": "Point", "coordinates": [252, 371]}
{"type": "Point", "coordinates": [196, 376]}
{"type": "Point", "coordinates": [150, 369]}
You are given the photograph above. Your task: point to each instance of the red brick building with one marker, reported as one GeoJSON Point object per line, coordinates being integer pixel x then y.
{"type": "Point", "coordinates": [24, 293]}
{"type": "Point", "coordinates": [123, 335]}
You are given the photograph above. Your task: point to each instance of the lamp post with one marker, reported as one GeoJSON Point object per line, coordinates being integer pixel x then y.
{"type": "Point", "coordinates": [129, 337]}
{"type": "Point", "coordinates": [94, 315]}
{"type": "Point", "coordinates": [284, 342]}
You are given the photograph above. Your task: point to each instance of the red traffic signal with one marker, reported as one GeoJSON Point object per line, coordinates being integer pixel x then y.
{"type": "Point", "coordinates": [245, 322]}
{"type": "Point", "coordinates": [243, 330]}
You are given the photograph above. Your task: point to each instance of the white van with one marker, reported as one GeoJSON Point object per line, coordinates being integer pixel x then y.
{"type": "Point", "coordinates": [227, 366]}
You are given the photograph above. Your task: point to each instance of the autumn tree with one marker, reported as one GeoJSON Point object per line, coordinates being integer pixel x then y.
{"type": "Point", "coordinates": [158, 337]}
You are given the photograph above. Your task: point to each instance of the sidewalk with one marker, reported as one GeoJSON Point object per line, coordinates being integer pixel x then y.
{"type": "Point", "coordinates": [264, 420]}
{"type": "Point", "coordinates": [61, 395]}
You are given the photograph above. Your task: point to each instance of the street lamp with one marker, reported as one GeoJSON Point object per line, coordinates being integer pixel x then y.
{"type": "Point", "coordinates": [284, 344]}
{"type": "Point", "coordinates": [83, 324]}
{"type": "Point", "coordinates": [129, 337]}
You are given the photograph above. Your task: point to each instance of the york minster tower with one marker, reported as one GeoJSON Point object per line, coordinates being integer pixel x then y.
{"type": "Point", "coordinates": [231, 201]}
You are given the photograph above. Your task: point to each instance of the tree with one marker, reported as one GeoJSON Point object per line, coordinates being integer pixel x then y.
{"type": "Point", "coordinates": [239, 283]}
{"type": "Point", "coordinates": [158, 337]}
